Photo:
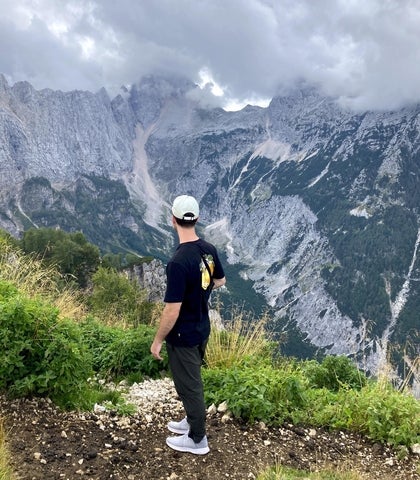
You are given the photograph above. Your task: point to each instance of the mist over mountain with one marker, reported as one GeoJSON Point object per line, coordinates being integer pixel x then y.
{"type": "Point", "coordinates": [314, 207]}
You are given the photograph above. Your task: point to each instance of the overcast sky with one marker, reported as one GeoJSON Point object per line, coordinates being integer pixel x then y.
{"type": "Point", "coordinates": [367, 52]}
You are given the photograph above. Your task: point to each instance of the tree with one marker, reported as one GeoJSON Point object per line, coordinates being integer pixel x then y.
{"type": "Point", "coordinates": [117, 299]}
{"type": "Point", "coordinates": [71, 253]}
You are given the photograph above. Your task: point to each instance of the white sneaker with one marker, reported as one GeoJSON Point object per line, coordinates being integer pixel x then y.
{"type": "Point", "coordinates": [186, 444]}
{"type": "Point", "coordinates": [179, 427]}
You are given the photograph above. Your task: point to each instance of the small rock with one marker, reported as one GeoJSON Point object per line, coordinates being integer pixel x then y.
{"type": "Point", "coordinates": [63, 434]}
{"type": "Point", "coordinates": [43, 461]}
{"type": "Point", "coordinates": [267, 443]}
{"type": "Point", "coordinates": [226, 417]}
{"type": "Point", "coordinates": [416, 448]}
{"type": "Point", "coordinates": [312, 432]}
{"type": "Point", "coordinates": [212, 409]}
{"type": "Point", "coordinates": [222, 407]}
{"type": "Point", "coordinates": [99, 408]}
{"type": "Point", "coordinates": [389, 461]}
{"type": "Point", "coordinates": [37, 456]}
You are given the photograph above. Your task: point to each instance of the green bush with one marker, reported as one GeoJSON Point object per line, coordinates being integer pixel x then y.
{"type": "Point", "coordinates": [377, 411]}
{"type": "Point", "coordinates": [256, 393]}
{"type": "Point", "coordinates": [98, 337]}
{"type": "Point", "coordinates": [119, 352]}
{"type": "Point", "coordinates": [333, 373]}
{"type": "Point", "coordinates": [129, 353]}
{"type": "Point", "coordinates": [70, 253]}
{"type": "Point", "coordinates": [40, 355]}
{"type": "Point", "coordinates": [117, 299]}
{"type": "Point", "coordinates": [277, 394]}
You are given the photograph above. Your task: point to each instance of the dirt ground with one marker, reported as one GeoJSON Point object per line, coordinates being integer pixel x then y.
{"type": "Point", "coordinates": [49, 444]}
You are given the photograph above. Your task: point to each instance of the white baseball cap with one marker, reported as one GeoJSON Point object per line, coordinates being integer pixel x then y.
{"type": "Point", "coordinates": [186, 208]}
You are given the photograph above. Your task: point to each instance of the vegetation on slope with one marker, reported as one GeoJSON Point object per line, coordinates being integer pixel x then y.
{"type": "Point", "coordinates": [55, 351]}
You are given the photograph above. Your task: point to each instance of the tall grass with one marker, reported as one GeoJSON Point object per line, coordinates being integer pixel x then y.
{"type": "Point", "coordinates": [279, 472]}
{"type": "Point", "coordinates": [33, 278]}
{"type": "Point", "coordinates": [5, 470]}
{"type": "Point", "coordinates": [241, 339]}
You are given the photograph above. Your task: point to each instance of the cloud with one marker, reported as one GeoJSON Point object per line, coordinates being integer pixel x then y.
{"type": "Point", "coordinates": [365, 53]}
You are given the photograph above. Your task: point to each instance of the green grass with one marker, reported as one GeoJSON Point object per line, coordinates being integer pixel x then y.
{"type": "Point", "coordinates": [52, 347]}
{"type": "Point", "coordinates": [5, 470]}
{"type": "Point", "coordinates": [285, 473]}
{"type": "Point", "coordinates": [241, 339]}
{"type": "Point", "coordinates": [306, 393]}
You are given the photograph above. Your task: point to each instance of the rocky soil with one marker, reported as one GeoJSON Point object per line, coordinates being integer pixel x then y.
{"type": "Point", "coordinates": [48, 444]}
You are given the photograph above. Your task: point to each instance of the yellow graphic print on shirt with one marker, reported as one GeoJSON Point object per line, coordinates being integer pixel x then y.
{"type": "Point", "coordinates": [205, 275]}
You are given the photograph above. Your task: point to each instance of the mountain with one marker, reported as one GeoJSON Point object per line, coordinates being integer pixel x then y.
{"type": "Point", "coordinates": [315, 207]}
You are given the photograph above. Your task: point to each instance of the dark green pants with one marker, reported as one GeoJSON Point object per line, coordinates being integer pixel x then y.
{"type": "Point", "coordinates": [185, 364]}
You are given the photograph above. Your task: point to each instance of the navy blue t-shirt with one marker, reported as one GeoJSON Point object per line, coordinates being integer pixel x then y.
{"type": "Point", "coordinates": [189, 282]}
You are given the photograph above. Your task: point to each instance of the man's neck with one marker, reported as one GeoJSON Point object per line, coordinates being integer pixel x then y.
{"type": "Point", "coordinates": [186, 235]}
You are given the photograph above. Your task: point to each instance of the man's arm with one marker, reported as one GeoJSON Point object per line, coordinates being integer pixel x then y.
{"type": "Point", "coordinates": [218, 282]}
{"type": "Point", "coordinates": [167, 321]}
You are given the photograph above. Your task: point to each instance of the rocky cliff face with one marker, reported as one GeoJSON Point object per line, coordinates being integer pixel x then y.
{"type": "Point", "coordinates": [315, 207]}
{"type": "Point", "coordinates": [151, 277]}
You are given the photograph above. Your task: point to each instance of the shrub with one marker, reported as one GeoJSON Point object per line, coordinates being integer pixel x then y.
{"type": "Point", "coordinates": [71, 253]}
{"type": "Point", "coordinates": [256, 393]}
{"type": "Point", "coordinates": [276, 394]}
{"type": "Point", "coordinates": [119, 352]}
{"type": "Point", "coordinates": [39, 354]}
{"type": "Point", "coordinates": [334, 373]}
{"type": "Point", "coordinates": [98, 337]}
{"type": "Point", "coordinates": [130, 353]}
{"type": "Point", "coordinates": [377, 411]}
{"type": "Point", "coordinates": [116, 299]}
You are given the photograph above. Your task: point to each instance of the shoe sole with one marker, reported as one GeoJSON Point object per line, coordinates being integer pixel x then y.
{"type": "Point", "coordinates": [194, 451]}
{"type": "Point", "coordinates": [178, 430]}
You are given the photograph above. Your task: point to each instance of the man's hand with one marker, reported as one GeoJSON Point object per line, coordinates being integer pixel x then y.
{"type": "Point", "coordinates": [167, 321]}
{"type": "Point", "coordinates": [155, 349]}
{"type": "Point", "coordinates": [218, 282]}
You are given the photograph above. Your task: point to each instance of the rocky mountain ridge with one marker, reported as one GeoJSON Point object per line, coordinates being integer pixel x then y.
{"type": "Point", "coordinates": [313, 206]}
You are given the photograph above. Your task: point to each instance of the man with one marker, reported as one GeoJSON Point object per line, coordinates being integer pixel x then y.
{"type": "Point", "coordinates": [193, 271]}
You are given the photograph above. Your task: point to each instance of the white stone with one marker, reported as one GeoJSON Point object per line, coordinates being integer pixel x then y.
{"type": "Point", "coordinates": [226, 417]}
{"type": "Point", "coordinates": [99, 408]}
{"type": "Point", "coordinates": [416, 448]}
